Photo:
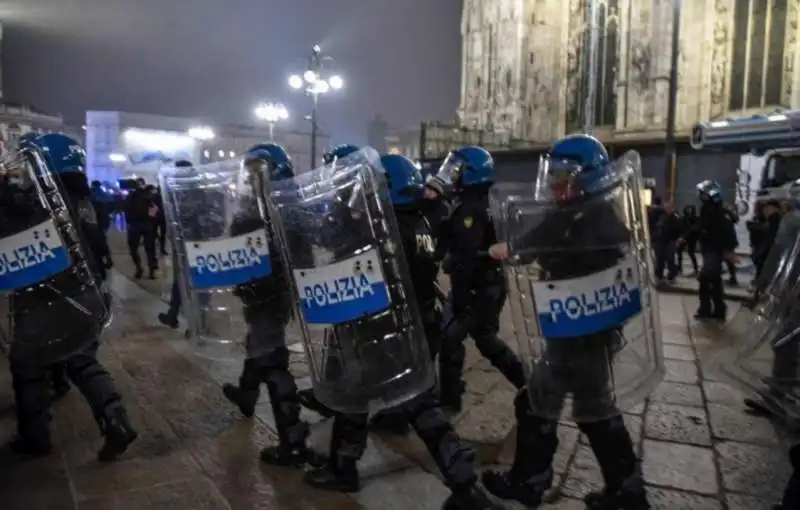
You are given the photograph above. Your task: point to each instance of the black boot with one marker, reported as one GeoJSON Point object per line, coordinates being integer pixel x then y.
{"type": "Point", "coordinates": [613, 448]}
{"type": "Point", "coordinates": [505, 485]}
{"type": "Point", "coordinates": [310, 402]}
{"type": "Point", "coordinates": [138, 273]}
{"type": "Point", "coordinates": [340, 475]}
{"type": "Point", "coordinates": [168, 319]}
{"type": "Point", "coordinates": [470, 498]}
{"type": "Point", "coordinates": [60, 386]}
{"type": "Point", "coordinates": [153, 273]}
{"type": "Point", "coordinates": [704, 295]}
{"type": "Point", "coordinates": [119, 435]}
{"type": "Point", "coordinates": [291, 456]}
{"type": "Point", "coordinates": [245, 400]}
{"type": "Point", "coordinates": [531, 474]}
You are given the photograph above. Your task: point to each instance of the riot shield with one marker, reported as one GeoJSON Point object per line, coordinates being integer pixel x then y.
{"type": "Point", "coordinates": [759, 349]}
{"type": "Point", "coordinates": [234, 303]}
{"type": "Point", "coordinates": [581, 294]}
{"type": "Point", "coordinates": [363, 332]}
{"type": "Point", "coordinates": [54, 299]}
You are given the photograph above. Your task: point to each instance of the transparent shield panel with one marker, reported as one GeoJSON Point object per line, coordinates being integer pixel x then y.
{"type": "Point", "coordinates": [758, 349]}
{"type": "Point", "coordinates": [55, 300]}
{"type": "Point", "coordinates": [581, 296]}
{"type": "Point", "coordinates": [236, 298]}
{"type": "Point", "coordinates": [364, 336]}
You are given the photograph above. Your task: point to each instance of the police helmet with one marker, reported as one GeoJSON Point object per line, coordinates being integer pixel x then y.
{"type": "Point", "coordinates": [709, 192]}
{"type": "Point", "coordinates": [468, 166]}
{"type": "Point", "coordinates": [64, 154]}
{"type": "Point", "coordinates": [339, 152]}
{"type": "Point", "coordinates": [277, 159]}
{"type": "Point", "coordinates": [576, 166]}
{"type": "Point", "coordinates": [404, 179]}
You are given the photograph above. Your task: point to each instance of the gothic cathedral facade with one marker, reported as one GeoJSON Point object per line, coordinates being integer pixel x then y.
{"type": "Point", "coordinates": [525, 65]}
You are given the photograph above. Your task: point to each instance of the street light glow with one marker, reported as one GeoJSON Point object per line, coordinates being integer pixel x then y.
{"type": "Point", "coordinates": [271, 112]}
{"type": "Point", "coordinates": [320, 87]}
{"type": "Point", "coordinates": [201, 133]}
{"type": "Point", "coordinates": [336, 82]}
{"type": "Point", "coordinates": [295, 81]}
{"type": "Point", "coordinates": [310, 76]}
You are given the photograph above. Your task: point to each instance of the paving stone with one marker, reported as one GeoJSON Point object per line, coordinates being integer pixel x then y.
{"type": "Point", "coordinates": [680, 466]}
{"type": "Point", "coordinates": [753, 470]}
{"type": "Point", "coordinates": [565, 504]}
{"type": "Point", "coordinates": [678, 394]}
{"type": "Point", "coordinates": [740, 502]}
{"type": "Point", "coordinates": [677, 423]}
{"type": "Point", "coordinates": [675, 334]}
{"type": "Point", "coordinates": [481, 381]}
{"type": "Point", "coordinates": [584, 475]}
{"type": "Point", "coordinates": [391, 491]}
{"type": "Point", "coordinates": [723, 393]}
{"type": "Point", "coordinates": [662, 499]}
{"type": "Point", "coordinates": [733, 423]}
{"type": "Point", "coordinates": [681, 371]}
{"type": "Point", "coordinates": [679, 352]}
{"type": "Point", "coordinates": [197, 494]}
{"type": "Point", "coordinates": [491, 421]}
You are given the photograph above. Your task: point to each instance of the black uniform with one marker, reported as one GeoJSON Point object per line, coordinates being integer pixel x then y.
{"type": "Point", "coordinates": [733, 217]}
{"type": "Point", "coordinates": [579, 366]}
{"type": "Point", "coordinates": [478, 293]}
{"type": "Point", "coordinates": [267, 311]}
{"type": "Point", "coordinates": [141, 229]}
{"type": "Point", "coordinates": [160, 222]}
{"type": "Point", "coordinates": [349, 437]}
{"type": "Point", "coordinates": [67, 333]}
{"type": "Point", "coordinates": [717, 237]}
{"type": "Point", "coordinates": [689, 237]}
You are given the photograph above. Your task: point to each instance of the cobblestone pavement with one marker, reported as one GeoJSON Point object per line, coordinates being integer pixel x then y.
{"type": "Point", "coordinates": [699, 450]}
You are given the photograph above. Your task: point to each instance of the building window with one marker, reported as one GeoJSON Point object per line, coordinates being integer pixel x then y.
{"type": "Point", "coordinates": [759, 40]}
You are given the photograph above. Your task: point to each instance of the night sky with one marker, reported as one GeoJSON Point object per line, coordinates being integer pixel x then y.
{"type": "Point", "coordinates": [216, 59]}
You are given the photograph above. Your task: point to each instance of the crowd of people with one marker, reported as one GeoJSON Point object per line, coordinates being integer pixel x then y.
{"type": "Point", "coordinates": [677, 234]}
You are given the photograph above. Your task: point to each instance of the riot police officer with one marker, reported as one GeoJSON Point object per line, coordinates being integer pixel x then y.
{"type": "Point", "coordinates": [717, 243]}
{"type": "Point", "coordinates": [579, 235]}
{"type": "Point", "coordinates": [338, 214]}
{"type": "Point", "coordinates": [267, 311]}
{"type": "Point", "coordinates": [478, 285]}
{"type": "Point", "coordinates": [349, 437]}
{"type": "Point", "coordinates": [77, 321]}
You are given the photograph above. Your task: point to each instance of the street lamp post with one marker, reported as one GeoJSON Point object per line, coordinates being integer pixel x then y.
{"type": "Point", "coordinates": [670, 148]}
{"type": "Point", "coordinates": [271, 113]}
{"type": "Point", "coordinates": [315, 83]}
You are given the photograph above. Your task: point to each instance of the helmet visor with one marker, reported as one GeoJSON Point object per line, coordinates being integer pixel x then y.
{"type": "Point", "coordinates": [557, 179]}
{"type": "Point", "coordinates": [450, 171]}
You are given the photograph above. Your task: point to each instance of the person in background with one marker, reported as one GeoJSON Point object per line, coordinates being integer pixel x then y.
{"type": "Point", "coordinates": [763, 232]}
{"type": "Point", "coordinates": [161, 220]}
{"type": "Point", "coordinates": [654, 213]}
{"type": "Point", "coordinates": [140, 210]}
{"type": "Point", "coordinates": [103, 204]}
{"type": "Point", "coordinates": [688, 242]}
{"type": "Point", "coordinates": [733, 217]}
{"type": "Point", "coordinates": [665, 236]}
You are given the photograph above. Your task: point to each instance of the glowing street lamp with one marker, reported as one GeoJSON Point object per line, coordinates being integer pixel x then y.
{"type": "Point", "coordinates": [271, 113]}
{"type": "Point", "coordinates": [314, 82]}
{"type": "Point", "coordinates": [202, 133]}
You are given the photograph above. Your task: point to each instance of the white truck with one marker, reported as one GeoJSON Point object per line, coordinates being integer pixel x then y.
{"type": "Point", "coordinates": [769, 145]}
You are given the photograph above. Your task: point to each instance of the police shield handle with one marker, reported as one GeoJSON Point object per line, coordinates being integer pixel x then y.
{"type": "Point", "coordinates": [499, 251]}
